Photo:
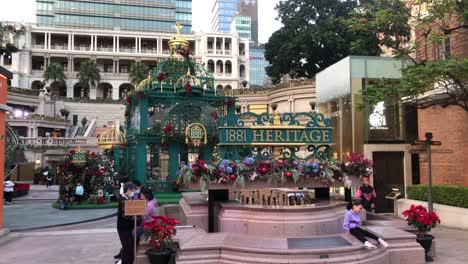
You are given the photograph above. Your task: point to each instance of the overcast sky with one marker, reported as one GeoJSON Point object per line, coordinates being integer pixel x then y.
{"type": "Point", "coordinates": [24, 10]}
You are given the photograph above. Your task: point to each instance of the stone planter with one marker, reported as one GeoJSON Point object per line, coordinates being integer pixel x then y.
{"type": "Point", "coordinates": [159, 256]}
{"type": "Point", "coordinates": [426, 242]}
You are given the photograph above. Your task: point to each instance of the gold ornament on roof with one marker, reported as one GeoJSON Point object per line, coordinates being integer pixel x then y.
{"type": "Point", "coordinates": [110, 138]}
{"type": "Point", "coordinates": [145, 82]}
{"type": "Point", "coordinates": [178, 42]}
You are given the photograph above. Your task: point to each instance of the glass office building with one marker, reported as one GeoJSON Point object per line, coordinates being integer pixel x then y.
{"type": "Point", "coordinates": [224, 11]}
{"type": "Point", "coordinates": [243, 26]}
{"type": "Point", "coordinates": [147, 15]}
{"type": "Point", "coordinates": [258, 75]}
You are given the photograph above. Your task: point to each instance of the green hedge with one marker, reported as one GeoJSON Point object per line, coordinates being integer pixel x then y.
{"type": "Point", "coordinates": [442, 194]}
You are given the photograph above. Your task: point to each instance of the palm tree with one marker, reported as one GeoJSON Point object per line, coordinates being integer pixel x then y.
{"type": "Point", "coordinates": [89, 74]}
{"type": "Point", "coordinates": [56, 74]}
{"type": "Point", "coordinates": [138, 72]}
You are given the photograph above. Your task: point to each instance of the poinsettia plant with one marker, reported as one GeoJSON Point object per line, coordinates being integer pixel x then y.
{"type": "Point", "coordinates": [160, 231]}
{"type": "Point", "coordinates": [357, 164]}
{"type": "Point", "coordinates": [418, 217]}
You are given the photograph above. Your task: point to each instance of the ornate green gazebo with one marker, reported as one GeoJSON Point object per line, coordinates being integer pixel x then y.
{"type": "Point", "coordinates": [172, 117]}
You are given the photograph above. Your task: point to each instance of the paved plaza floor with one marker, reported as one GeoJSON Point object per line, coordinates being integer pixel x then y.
{"type": "Point", "coordinates": [97, 246]}
{"type": "Point", "coordinates": [20, 216]}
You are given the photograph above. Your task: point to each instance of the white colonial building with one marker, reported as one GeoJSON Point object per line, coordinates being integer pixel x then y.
{"type": "Point", "coordinates": [224, 54]}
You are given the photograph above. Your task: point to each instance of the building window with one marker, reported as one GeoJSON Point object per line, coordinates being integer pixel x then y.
{"type": "Point", "coordinates": [444, 49]}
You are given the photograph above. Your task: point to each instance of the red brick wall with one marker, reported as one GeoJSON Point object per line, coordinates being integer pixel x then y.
{"type": "Point", "coordinates": [450, 126]}
{"type": "Point", "coordinates": [458, 45]}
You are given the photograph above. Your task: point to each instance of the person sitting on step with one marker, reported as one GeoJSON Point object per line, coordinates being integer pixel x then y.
{"type": "Point", "coordinates": [352, 224]}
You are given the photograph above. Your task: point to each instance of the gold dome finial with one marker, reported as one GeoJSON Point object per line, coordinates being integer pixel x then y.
{"type": "Point", "coordinates": [110, 138]}
{"type": "Point", "coordinates": [178, 42]}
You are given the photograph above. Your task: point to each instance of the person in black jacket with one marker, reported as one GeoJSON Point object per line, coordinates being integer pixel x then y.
{"type": "Point", "coordinates": [125, 225]}
{"type": "Point", "coordinates": [367, 195]}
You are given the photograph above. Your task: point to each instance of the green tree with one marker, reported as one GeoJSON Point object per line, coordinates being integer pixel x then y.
{"type": "Point", "coordinates": [315, 35]}
{"type": "Point", "coordinates": [426, 81]}
{"type": "Point", "coordinates": [88, 74]}
{"type": "Point", "coordinates": [138, 72]}
{"type": "Point", "coordinates": [55, 73]}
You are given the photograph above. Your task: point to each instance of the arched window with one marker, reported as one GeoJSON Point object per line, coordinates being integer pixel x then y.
{"type": "Point", "coordinates": [228, 67]}
{"type": "Point", "coordinates": [124, 89]}
{"type": "Point", "coordinates": [242, 70]}
{"type": "Point", "coordinates": [104, 90]}
{"type": "Point", "coordinates": [211, 66]}
{"type": "Point", "coordinates": [219, 67]}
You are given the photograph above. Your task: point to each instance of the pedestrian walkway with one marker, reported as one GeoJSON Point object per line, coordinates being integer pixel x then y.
{"type": "Point", "coordinates": [23, 216]}
{"type": "Point", "coordinates": [40, 193]}
{"type": "Point", "coordinates": [95, 246]}
{"type": "Point", "coordinates": [450, 244]}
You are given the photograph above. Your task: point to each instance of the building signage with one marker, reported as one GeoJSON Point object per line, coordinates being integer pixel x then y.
{"type": "Point", "coordinates": [377, 119]}
{"type": "Point", "coordinates": [275, 135]}
{"type": "Point", "coordinates": [195, 134]}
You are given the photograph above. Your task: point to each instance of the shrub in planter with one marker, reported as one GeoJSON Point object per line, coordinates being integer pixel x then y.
{"type": "Point", "coordinates": [160, 232]}
{"type": "Point", "coordinates": [418, 217]}
{"type": "Point", "coordinates": [20, 189]}
{"type": "Point", "coordinates": [452, 195]}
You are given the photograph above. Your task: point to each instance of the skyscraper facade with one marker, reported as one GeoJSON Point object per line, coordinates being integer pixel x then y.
{"type": "Point", "coordinates": [258, 76]}
{"type": "Point", "coordinates": [131, 15]}
{"type": "Point", "coordinates": [243, 26]}
{"type": "Point", "coordinates": [223, 13]}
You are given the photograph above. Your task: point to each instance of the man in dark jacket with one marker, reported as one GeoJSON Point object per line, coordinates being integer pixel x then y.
{"type": "Point", "coordinates": [125, 225]}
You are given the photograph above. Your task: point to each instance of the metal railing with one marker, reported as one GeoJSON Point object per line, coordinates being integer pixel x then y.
{"type": "Point", "coordinates": [65, 142]}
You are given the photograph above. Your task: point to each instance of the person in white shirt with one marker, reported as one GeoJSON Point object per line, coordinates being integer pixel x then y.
{"type": "Point", "coordinates": [8, 190]}
{"type": "Point", "coordinates": [48, 177]}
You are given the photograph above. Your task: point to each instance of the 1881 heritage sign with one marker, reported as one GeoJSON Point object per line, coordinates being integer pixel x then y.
{"type": "Point", "coordinates": [274, 135]}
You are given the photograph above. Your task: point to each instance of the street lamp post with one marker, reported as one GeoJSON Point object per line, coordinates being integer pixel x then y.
{"type": "Point", "coordinates": [428, 142]}
{"type": "Point", "coordinates": [428, 136]}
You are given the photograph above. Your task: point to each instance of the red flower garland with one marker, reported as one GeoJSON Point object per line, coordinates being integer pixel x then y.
{"type": "Point", "coordinates": [161, 77]}
{"type": "Point", "coordinates": [188, 87]}
{"type": "Point", "coordinates": [168, 128]}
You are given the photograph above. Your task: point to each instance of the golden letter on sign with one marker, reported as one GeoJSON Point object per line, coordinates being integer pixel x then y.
{"type": "Point", "coordinates": [257, 135]}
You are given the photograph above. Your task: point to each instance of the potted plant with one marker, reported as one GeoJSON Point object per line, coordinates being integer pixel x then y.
{"type": "Point", "coordinates": [64, 112]}
{"type": "Point", "coordinates": [312, 105]}
{"type": "Point", "coordinates": [418, 217]}
{"type": "Point", "coordinates": [274, 106]}
{"type": "Point", "coordinates": [160, 232]}
{"type": "Point", "coordinates": [244, 83]}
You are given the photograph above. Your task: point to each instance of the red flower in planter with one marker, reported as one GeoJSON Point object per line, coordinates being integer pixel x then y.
{"type": "Point", "coordinates": [160, 231]}
{"type": "Point", "coordinates": [72, 152]}
{"type": "Point", "coordinates": [230, 102]}
{"type": "Point", "coordinates": [421, 219]}
{"type": "Point", "coordinates": [128, 99]}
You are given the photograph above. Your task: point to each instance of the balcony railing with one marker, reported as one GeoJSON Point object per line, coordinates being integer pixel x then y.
{"type": "Point", "coordinates": [59, 46]}
{"type": "Point", "coordinates": [38, 46]}
{"type": "Point", "coordinates": [127, 50]}
{"type": "Point", "coordinates": [83, 48]}
{"type": "Point", "coordinates": [151, 51]}
{"type": "Point", "coordinates": [65, 142]}
{"type": "Point", "coordinates": [105, 49]}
